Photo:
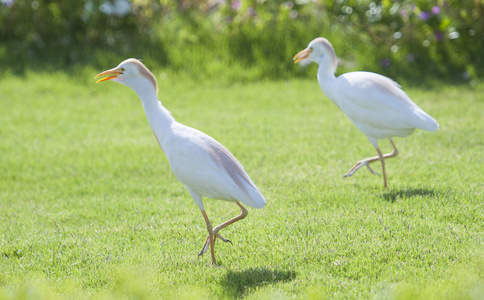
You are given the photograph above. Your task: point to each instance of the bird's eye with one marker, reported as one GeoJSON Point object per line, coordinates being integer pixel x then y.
{"type": "Point", "coordinates": [123, 69]}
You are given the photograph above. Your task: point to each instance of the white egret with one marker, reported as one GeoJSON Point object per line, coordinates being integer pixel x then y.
{"type": "Point", "coordinates": [374, 103]}
{"type": "Point", "coordinates": [201, 163]}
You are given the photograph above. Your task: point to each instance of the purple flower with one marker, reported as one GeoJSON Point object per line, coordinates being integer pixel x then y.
{"type": "Point", "coordinates": [8, 3]}
{"type": "Point", "coordinates": [235, 5]}
{"type": "Point", "coordinates": [410, 57]}
{"type": "Point", "coordinates": [438, 35]}
{"type": "Point", "coordinates": [385, 62]}
{"type": "Point", "coordinates": [435, 10]}
{"type": "Point", "coordinates": [424, 15]}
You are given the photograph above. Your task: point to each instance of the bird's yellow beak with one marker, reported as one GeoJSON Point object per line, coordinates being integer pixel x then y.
{"type": "Point", "coordinates": [113, 72]}
{"type": "Point", "coordinates": [302, 55]}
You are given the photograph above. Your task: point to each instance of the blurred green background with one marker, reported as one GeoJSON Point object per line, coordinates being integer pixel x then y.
{"type": "Point", "coordinates": [246, 39]}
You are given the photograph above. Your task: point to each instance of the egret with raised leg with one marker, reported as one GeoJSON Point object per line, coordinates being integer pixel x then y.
{"type": "Point", "coordinates": [374, 103]}
{"type": "Point", "coordinates": [202, 164]}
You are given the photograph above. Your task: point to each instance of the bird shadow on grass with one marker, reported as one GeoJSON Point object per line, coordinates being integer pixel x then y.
{"type": "Point", "coordinates": [394, 195]}
{"type": "Point", "coordinates": [238, 283]}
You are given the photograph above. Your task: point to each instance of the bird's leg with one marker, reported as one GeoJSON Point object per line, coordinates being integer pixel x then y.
{"type": "Point", "coordinates": [367, 164]}
{"type": "Point", "coordinates": [382, 161]}
{"type": "Point", "coordinates": [361, 163]}
{"type": "Point", "coordinates": [243, 213]}
{"type": "Point", "coordinates": [367, 161]}
{"type": "Point", "coordinates": [205, 247]}
{"type": "Point", "coordinates": [213, 233]}
{"type": "Point", "coordinates": [394, 152]}
{"type": "Point", "coordinates": [210, 242]}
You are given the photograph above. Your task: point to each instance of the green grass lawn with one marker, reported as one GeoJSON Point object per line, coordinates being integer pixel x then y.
{"type": "Point", "coordinates": [89, 207]}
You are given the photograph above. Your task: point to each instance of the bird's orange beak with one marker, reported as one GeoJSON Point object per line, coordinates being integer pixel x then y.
{"type": "Point", "coordinates": [302, 55]}
{"type": "Point", "coordinates": [113, 72]}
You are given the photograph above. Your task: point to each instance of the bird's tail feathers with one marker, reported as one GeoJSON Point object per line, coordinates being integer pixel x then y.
{"type": "Point", "coordinates": [425, 121]}
{"type": "Point", "coordinates": [253, 197]}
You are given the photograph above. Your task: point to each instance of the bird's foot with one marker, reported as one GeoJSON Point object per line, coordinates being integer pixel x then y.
{"type": "Point", "coordinates": [205, 247]}
{"type": "Point", "coordinates": [354, 168]}
{"type": "Point", "coordinates": [371, 170]}
{"type": "Point", "coordinates": [357, 166]}
{"type": "Point", "coordinates": [207, 242]}
{"type": "Point", "coordinates": [222, 238]}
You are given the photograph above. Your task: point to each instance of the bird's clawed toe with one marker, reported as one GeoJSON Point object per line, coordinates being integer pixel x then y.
{"type": "Point", "coordinates": [358, 165]}
{"type": "Point", "coordinates": [207, 242]}
{"type": "Point", "coordinates": [350, 172]}
{"type": "Point", "coordinates": [222, 238]}
{"type": "Point", "coordinates": [205, 247]}
{"type": "Point", "coordinates": [371, 170]}
{"type": "Point", "coordinates": [354, 168]}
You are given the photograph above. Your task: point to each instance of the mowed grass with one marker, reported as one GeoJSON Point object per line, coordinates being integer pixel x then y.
{"type": "Point", "coordinates": [89, 207]}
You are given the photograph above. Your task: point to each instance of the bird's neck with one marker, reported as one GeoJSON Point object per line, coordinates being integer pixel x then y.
{"type": "Point", "coordinates": [159, 117]}
{"type": "Point", "coordinates": [326, 77]}
{"type": "Point", "coordinates": [328, 82]}
{"type": "Point", "coordinates": [326, 69]}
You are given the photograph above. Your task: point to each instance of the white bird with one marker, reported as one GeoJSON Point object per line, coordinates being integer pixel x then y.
{"type": "Point", "coordinates": [201, 163]}
{"type": "Point", "coordinates": [374, 103]}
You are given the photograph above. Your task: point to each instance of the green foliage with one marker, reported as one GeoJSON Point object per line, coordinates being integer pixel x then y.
{"type": "Point", "coordinates": [89, 208]}
{"type": "Point", "coordinates": [257, 39]}
{"type": "Point", "coordinates": [62, 32]}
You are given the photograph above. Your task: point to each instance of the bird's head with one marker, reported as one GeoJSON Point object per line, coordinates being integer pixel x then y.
{"type": "Point", "coordinates": [133, 73]}
{"type": "Point", "coordinates": [318, 51]}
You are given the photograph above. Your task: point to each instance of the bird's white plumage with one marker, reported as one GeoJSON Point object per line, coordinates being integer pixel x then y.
{"type": "Point", "coordinates": [208, 168]}
{"type": "Point", "coordinates": [374, 103]}
{"type": "Point", "coordinates": [201, 163]}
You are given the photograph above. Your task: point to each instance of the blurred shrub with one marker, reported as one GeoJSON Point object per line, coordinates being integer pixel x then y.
{"type": "Point", "coordinates": [60, 31]}
{"type": "Point", "coordinates": [410, 39]}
